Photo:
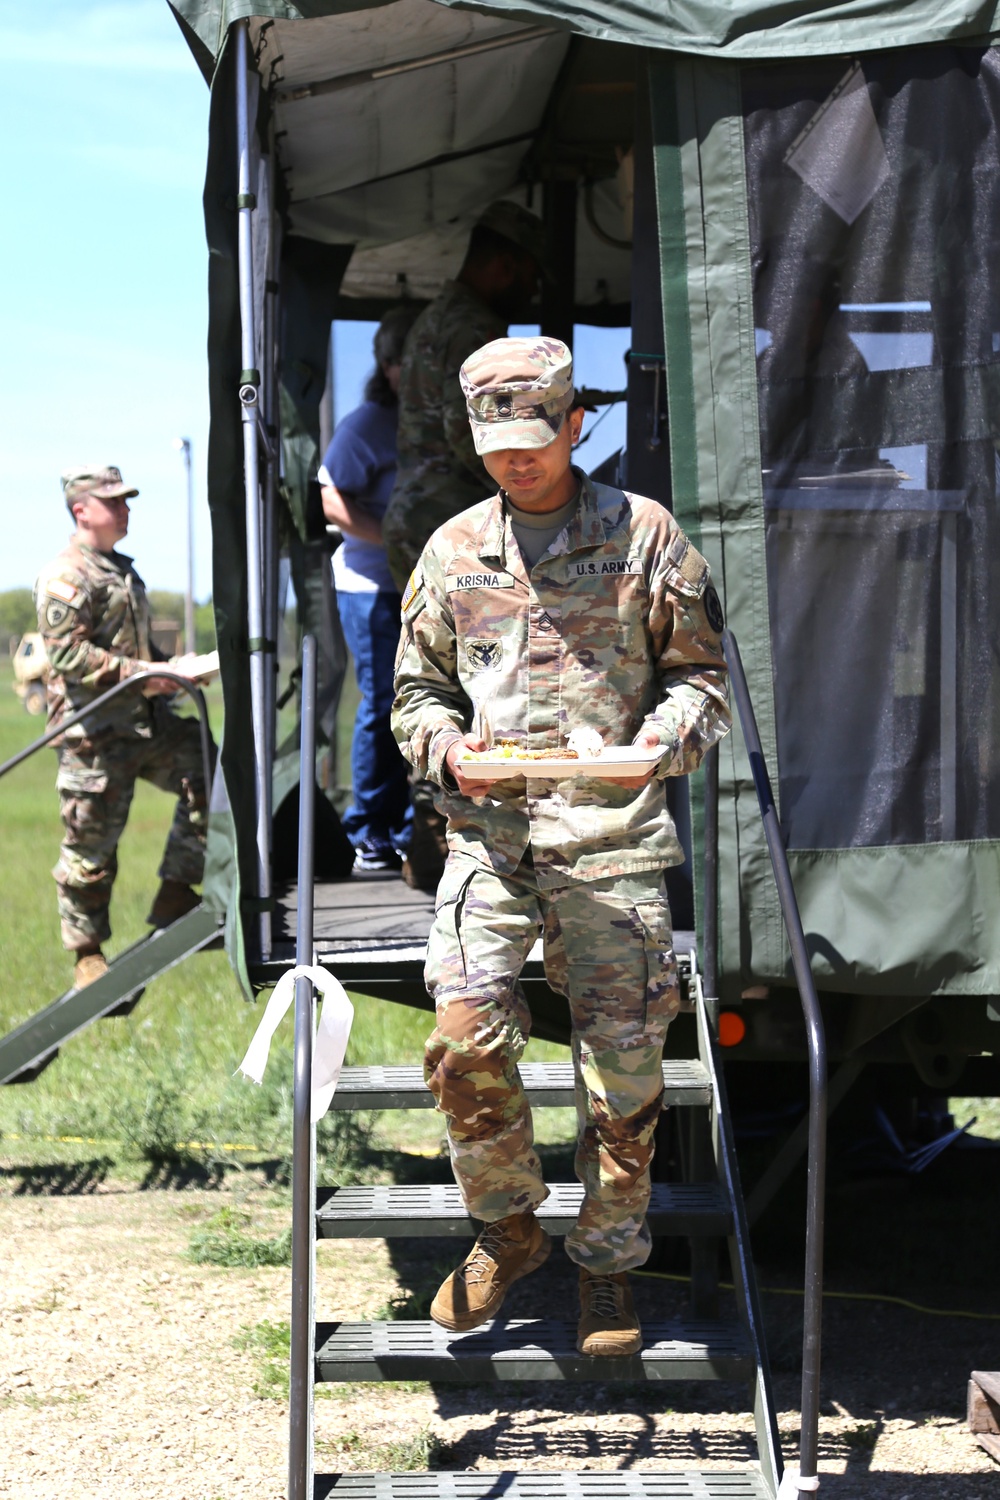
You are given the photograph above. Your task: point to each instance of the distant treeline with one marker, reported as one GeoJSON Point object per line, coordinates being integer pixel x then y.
{"type": "Point", "coordinates": [17, 614]}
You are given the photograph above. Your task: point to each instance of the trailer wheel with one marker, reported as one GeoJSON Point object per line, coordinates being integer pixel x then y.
{"type": "Point", "coordinates": [35, 698]}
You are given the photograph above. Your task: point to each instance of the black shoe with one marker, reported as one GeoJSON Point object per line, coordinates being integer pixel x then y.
{"type": "Point", "coordinates": [372, 854]}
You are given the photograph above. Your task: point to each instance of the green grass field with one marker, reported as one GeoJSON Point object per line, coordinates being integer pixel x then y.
{"type": "Point", "coordinates": [135, 1087]}
{"type": "Point", "coordinates": [140, 1087]}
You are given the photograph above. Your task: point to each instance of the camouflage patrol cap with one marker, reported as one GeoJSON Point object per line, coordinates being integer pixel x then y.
{"type": "Point", "coordinates": [517, 224]}
{"type": "Point", "coordinates": [517, 392]}
{"type": "Point", "coordinates": [104, 481]}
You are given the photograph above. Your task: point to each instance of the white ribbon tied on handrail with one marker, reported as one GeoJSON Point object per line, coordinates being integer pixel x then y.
{"type": "Point", "coordinates": [792, 1485]}
{"type": "Point", "coordinates": [329, 1043]}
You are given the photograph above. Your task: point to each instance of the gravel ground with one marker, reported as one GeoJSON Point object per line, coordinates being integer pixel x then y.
{"type": "Point", "coordinates": [120, 1375]}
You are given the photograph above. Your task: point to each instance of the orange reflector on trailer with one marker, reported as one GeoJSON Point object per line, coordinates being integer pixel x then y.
{"type": "Point", "coordinates": [732, 1029]}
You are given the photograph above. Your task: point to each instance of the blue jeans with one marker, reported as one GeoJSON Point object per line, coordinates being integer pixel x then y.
{"type": "Point", "coordinates": [380, 805]}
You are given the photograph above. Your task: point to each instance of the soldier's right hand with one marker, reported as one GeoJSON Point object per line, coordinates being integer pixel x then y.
{"type": "Point", "coordinates": [469, 784]}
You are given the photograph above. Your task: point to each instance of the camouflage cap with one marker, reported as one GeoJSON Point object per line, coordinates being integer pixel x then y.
{"type": "Point", "coordinates": [517, 224]}
{"type": "Point", "coordinates": [517, 391]}
{"type": "Point", "coordinates": [104, 481]}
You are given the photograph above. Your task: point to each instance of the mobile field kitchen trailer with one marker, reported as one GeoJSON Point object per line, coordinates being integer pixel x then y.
{"type": "Point", "coordinates": [796, 209]}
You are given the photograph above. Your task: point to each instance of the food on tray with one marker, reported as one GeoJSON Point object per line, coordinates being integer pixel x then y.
{"type": "Point", "coordinates": [586, 742]}
{"type": "Point", "coordinates": [509, 750]}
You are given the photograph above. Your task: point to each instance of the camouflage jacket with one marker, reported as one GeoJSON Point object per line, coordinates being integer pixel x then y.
{"type": "Point", "coordinates": [439, 472]}
{"type": "Point", "coordinates": [94, 618]}
{"type": "Point", "coordinates": [616, 627]}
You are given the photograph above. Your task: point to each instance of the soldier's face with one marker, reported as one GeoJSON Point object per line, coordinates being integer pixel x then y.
{"type": "Point", "coordinates": [538, 479]}
{"type": "Point", "coordinates": [104, 521]}
{"type": "Point", "coordinates": [519, 281]}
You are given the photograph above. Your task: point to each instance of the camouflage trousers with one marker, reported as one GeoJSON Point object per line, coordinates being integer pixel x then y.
{"type": "Point", "coordinates": [96, 781]}
{"type": "Point", "coordinates": [608, 947]}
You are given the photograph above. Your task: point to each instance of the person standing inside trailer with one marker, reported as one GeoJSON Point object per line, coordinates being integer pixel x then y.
{"type": "Point", "coordinates": [94, 619]}
{"type": "Point", "coordinates": [440, 472]}
{"type": "Point", "coordinates": [357, 476]}
{"type": "Point", "coordinates": [557, 604]}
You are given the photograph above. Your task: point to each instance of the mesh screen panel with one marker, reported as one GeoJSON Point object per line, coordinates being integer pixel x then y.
{"type": "Point", "coordinates": [874, 194]}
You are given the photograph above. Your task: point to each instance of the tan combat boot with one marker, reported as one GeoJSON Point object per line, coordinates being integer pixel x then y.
{"type": "Point", "coordinates": [172, 901]}
{"type": "Point", "coordinates": [503, 1253]}
{"type": "Point", "coordinates": [90, 965]}
{"type": "Point", "coordinates": [608, 1324]}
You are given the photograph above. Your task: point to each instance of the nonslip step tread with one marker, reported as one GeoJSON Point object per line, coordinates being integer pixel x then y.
{"type": "Point", "coordinates": [538, 1484]}
{"type": "Point", "coordinates": [685, 1081]}
{"type": "Point", "coordinates": [527, 1349]}
{"type": "Point", "coordinates": [383, 1212]}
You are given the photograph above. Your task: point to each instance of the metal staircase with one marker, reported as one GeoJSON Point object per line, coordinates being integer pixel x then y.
{"type": "Point", "coordinates": [678, 1349]}
{"type": "Point", "coordinates": [30, 1047]}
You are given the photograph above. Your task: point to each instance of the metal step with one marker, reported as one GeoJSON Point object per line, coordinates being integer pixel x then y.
{"type": "Point", "coordinates": [527, 1349]}
{"type": "Point", "coordinates": [536, 1484]}
{"type": "Point", "coordinates": [685, 1081]}
{"type": "Point", "coordinates": [689, 1209]}
{"type": "Point", "coordinates": [33, 1044]}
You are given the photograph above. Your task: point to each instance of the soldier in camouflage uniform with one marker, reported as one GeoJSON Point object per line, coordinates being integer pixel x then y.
{"type": "Point", "coordinates": [94, 619]}
{"type": "Point", "coordinates": [439, 472]}
{"type": "Point", "coordinates": [557, 603]}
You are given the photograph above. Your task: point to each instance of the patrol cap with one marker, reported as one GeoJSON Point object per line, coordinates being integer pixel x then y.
{"type": "Point", "coordinates": [517, 392]}
{"type": "Point", "coordinates": [103, 481]}
{"type": "Point", "coordinates": [517, 224]}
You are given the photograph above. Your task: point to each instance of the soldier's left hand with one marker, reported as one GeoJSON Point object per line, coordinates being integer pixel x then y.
{"type": "Point", "coordinates": [644, 742]}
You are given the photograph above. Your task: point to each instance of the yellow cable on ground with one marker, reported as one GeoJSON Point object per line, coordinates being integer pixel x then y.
{"type": "Point", "coordinates": [794, 1291]}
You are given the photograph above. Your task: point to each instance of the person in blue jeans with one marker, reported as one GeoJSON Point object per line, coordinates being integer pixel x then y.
{"type": "Point", "coordinates": [357, 477]}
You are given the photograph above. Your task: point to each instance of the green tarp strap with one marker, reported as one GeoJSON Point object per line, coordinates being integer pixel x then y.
{"type": "Point", "coordinates": [715, 448]}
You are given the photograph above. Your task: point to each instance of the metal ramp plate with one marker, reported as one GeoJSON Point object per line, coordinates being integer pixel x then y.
{"type": "Point", "coordinates": [685, 1081]}
{"type": "Point", "coordinates": [527, 1349]}
{"type": "Point", "coordinates": [383, 1212]}
{"type": "Point", "coordinates": [25, 1050]}
{"type": "Point", "coordinates": [536, 1484]}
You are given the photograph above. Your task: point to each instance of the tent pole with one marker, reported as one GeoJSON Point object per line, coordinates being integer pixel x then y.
{"type": "Point", "coordinates": [249, 391]}
{"type": "Point", "coordinates": [270, 519]}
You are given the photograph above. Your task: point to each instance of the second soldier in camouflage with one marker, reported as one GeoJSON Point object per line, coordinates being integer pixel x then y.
{"type": "Point", "coordinates": [555, 604]}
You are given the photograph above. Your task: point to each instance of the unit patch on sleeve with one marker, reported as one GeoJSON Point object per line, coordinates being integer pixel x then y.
{"type": "Point", "coordinates": [713, 610]}
{"type": "Point", "coordinates": [484, 656]}
{"type": "Point", "coordinates": [56, 614]}
{"type": "Point", "coordinates": [478, 581]}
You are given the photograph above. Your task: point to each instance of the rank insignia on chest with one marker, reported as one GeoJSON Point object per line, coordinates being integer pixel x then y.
{"type": "Point", "coordinates": [484, 656]}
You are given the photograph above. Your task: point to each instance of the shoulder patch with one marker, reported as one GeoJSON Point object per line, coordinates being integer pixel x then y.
{"type": "Point", "coordinates": [58, 616]}
{"type": "Point", "coordinates": [693, 566]}
{"type": "Point", "coordinates": [59, 588]}
{"type": "Point", "coordinates": [411, 590]}
{"type": "Point", "coordinates": [713, 609]}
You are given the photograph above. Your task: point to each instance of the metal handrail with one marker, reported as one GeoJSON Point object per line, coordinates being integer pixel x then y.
{"type": "Point", "coordinates": [816, 1042]}
{"type": "Point", "coordinates": [300, 1447]}
{"type": "Point", "coordinates": [156, 670]}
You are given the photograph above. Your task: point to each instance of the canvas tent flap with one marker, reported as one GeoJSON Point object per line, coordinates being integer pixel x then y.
{"type": "Point", "coordinates": [736, 29]}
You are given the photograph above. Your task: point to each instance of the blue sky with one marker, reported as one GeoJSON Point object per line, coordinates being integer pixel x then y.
{"type": "Point", "coordinates": [103, 266]}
